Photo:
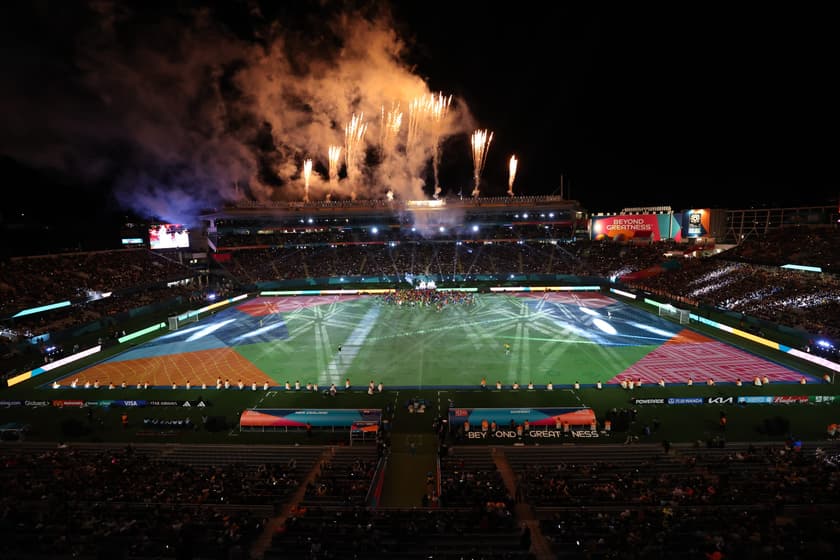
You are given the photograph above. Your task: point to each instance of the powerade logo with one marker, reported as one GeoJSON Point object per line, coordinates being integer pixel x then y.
{"type": "Point", "coordinates": [649, 401]}
{"type": "Point", "coordinates": [685, 400]}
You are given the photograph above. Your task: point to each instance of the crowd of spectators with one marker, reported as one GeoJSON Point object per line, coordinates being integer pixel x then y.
{"type": "Point", "coordinates": [446, 259]}
{"type": "Point", "coordinates": [472, 517]}
{"type": "Point", "coordinates": [743, 501]}
{"type": "Point", "coordinates": [805, 300]}
{"type": "Point", "coordinates": [27, 282]}
{"type": "Point", "coordinates": [124, 503]}
{"type": "Point", "coordinates": [340, 234]}
{"type": "Point", "coordinates": [321, 533]}
{"type": "Point", "coordinates": [345, 479]}
{"type": "Point", "coordinates": [739, 503]}
{"type": "Point", "coordinates": [808, 246]}
{"type": "Point", "coordinates": [428, 298]}
{"type": "Point", "coordinates": [470, 479]}
{"type": "Point", "coordinates": [746, 279]}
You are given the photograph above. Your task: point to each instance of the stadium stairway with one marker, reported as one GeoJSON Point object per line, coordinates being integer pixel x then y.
{"type": "Point", "coordinates": [525, 516]}
{"type": "Point", "coordinates": [408, 429]}
{"type": "Point", "coordinates": [405, 477]}
{"type": "Point", "coordinates": [263, 542]}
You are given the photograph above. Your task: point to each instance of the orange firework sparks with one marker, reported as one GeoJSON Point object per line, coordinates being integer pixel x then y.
{"type": "Point", "coordinates": [512, 173]}
{"type": "Point", "coordinates": [480, 142]}
{"type": "Point", "coordinates": [389, 127]}
{"type": "Point", "coordinates": [354, 133]}
{"type": "Point", "coordinates": [334, 158]}
{"type": "Point", "coordinates": [307, 175]}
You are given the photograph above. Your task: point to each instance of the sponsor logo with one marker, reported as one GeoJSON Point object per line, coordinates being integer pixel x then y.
{"type": "Point", "coordinates": [822, 398]}
{"type": "Point", "coordinates": [11, 403]}
{"type": "Point", "coordinates": [755, 400]}
{"type": "Point", "coordinates": [130, 403]}
{"type": "Point", "coordinates": [164, 403]}
{"type": "Point", "coordinates": [720, 400]}
{"type": "Point", "coordinates": [648, 401]}
{"type": "Point", "coordinates": [68, 403]}
{"type": "Point", "coordinates": [790, 399]}
{"type": "Point", "coordinates": [37, 403]}
{"type": "Point", "coordinates": [685, 400]}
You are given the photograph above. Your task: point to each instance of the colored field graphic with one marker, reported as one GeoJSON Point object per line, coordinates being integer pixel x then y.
{"type": "Point", "coordinates": [560, 338]}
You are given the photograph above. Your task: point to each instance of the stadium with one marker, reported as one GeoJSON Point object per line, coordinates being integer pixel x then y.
{"type": "Point", "coordinates": [441, 355]}
{"type": "Point", "coordinates": [268, 293]}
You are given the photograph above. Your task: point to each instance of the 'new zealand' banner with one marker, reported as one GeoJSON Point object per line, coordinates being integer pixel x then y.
{"type": "Point", "coordinates": [299, 418]}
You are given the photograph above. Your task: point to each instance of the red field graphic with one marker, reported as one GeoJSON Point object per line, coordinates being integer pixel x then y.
{"type": "Point", "coordinates": [676, 362]}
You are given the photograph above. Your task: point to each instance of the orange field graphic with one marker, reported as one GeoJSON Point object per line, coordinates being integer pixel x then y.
{"type": "Point", "coordinates": [201, 367]}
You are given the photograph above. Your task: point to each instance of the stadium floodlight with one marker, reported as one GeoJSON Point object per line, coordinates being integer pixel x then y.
{"type": "Point", "coordinates": [374, 230]}
{"type": "Point", "coordinates": [475, 228]}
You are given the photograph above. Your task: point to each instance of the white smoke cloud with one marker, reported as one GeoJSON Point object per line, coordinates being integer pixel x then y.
{"type": "Point", "coordinates": [181, 113]}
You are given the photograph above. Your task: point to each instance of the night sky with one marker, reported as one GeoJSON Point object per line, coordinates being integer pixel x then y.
{"type": "Point", "coordinates": [139, 110]}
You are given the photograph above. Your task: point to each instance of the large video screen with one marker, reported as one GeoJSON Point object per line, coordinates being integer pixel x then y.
{"type": "Point", "coordinates": [169, 236]}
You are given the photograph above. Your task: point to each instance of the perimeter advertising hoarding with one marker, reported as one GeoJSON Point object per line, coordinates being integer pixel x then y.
{"type": "Point", "coordinates": [653, 227]}
{"type": "Point", "coordinates": [299, 418]}
{"type": "Point", "coordinates": [696, 223]}
{"type": "Point", "coordinates": [544, 417]}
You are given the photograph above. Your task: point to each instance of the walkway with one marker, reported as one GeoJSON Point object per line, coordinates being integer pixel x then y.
{"type": "Point", "coordinates": [263, 542]}
{"type": "Point", "coordinates": [540, 547]}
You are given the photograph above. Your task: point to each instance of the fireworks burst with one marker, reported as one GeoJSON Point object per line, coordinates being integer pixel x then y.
{"type": "Point", "coordinates": [438, 112]}
{"type": "Point", "coordinates": [307, 175]}
{"type": "Point", "coordinates": [354, 133]}
{"type": "Point", "coordinates": [418, 114]}
{"type": "Point", "coordinates": [480, 142]}
{"type": "Point", "coordinates": [512, 174]}
{"type": "Point", "coordinates": [335, 157]}
{"type": "Point", "coordinates": [389, 128]}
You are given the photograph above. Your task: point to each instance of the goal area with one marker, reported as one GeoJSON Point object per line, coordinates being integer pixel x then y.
{"type": "Point", "coordinates": [669, 311]}
{"type": "Point", "coordinates": [178, 321]}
